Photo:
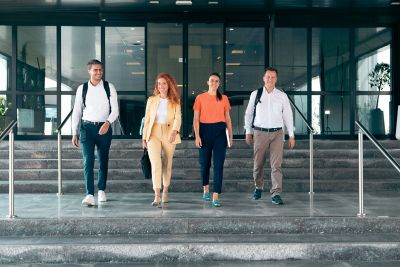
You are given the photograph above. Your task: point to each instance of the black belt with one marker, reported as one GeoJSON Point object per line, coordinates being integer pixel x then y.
{"type": "Point", "coordinates": [93, 122]}
{"type": "Point", "coordinates": [270, 130]}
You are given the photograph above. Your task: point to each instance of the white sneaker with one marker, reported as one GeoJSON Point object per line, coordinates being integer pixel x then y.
{"type": "Point", "coordinates": [101, 196]}
{"type": "Point", "coordinates": [88, 200]}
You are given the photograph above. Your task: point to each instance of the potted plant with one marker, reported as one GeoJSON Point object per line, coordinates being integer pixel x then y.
{"type": "Point", "coordinates": [378, 78]}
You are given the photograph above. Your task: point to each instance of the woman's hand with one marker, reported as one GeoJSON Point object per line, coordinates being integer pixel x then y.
{"type": "Point", "coordinates": [172, 137]}
{"type": "Point", "coordinates": [198, 142]}
{"type": "Point", "coordinates": [144, 144]}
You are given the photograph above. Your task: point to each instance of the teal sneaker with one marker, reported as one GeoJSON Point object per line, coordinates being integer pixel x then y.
{"type": "Point", "coordinates": [277, 200]}
{"type": "Point", "coordinates": [207, 196]}
{"type": "Point", "coordinates": [215, 203]}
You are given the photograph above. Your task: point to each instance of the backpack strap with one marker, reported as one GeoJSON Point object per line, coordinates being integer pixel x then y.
{"type": "Point", "coordinates": [85, 89]}
{"type": "Point", "coordinates": [256, 101]}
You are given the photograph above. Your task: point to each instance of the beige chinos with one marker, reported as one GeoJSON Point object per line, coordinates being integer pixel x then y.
{"type": "Point", "coordinates": [272, 142]}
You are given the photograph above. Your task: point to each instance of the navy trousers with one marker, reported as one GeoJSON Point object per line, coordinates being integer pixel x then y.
{"type": "Point", "coordinates": [89, 138]}
{"type": "Point", "coordinates": [214, 143]}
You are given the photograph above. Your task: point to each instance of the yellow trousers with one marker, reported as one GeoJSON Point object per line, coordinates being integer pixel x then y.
{"type": "Point", "coordinates": [161, 164]}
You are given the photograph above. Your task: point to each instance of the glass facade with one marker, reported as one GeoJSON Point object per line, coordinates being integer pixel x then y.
{"type": "Point", "coordinates": [325, 71]}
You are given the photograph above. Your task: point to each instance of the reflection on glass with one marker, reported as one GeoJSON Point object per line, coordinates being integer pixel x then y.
{"type": "Point", "coordinates": [377, 121]}
{"type": "Point", "coordinates": [205, 57]}
{"type": "Point", "coordinates": [5, 111]}
{"type": "Point", "coordinates": [5, 41]}
{"type": "Point", "coordinates": [244, 58]}
{"type": "Point", "coordinates": [366, 65]}
{"type": "Point", "coordinates": [67, 103]}
{"type": "Point", "coordinates": [238, 108]}
{"type": "Point", "coordinates": [5, 57]}
{"type": "Point", "coordinates": [164, 52]}
{"type": "Point", "coordinates": [78, 46]}
{"type": "Point", "coordinates": [290, 58]}
{"type": "Point", "coordinates": [37, 114]}
{"type": "Point", "coordinates": [36, 64]}
{"type": "Point", "coordinates": [330, 114]}
{"type": "Point", "coordinates": [125, 64]}
{"type": "Point", "coordinates": [130, 105]}
{"type": "Point", "coordinates": [368, 40]}
{"type": "Point", "coordinates": [330, 59]}
{"type": "Point", "coordinates": [301, 102]}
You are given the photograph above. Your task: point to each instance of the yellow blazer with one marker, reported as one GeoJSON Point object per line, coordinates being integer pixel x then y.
{"type": "Point", "coordinates": [174, 118]}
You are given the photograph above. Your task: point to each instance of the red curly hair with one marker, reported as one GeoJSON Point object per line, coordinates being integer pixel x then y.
{"type": "Point", "coordinates": [173, 91]}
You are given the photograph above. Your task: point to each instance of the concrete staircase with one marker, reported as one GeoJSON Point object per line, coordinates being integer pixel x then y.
{"type": "Point", "coordinates": [335, 167]}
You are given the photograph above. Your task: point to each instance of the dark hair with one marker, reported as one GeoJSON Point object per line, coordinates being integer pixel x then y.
{"type": "Point", "coordinates": [94, 62]}
{"type": "Point", "coordinates": [271, 69]}
{"type": "Point", "coordinates": [219, 95]}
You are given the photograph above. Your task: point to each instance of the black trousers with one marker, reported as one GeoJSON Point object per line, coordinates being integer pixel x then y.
{"type": "Point", "coordinates": [214, 143]}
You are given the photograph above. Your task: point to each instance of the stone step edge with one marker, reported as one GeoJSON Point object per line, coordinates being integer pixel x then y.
{"type": "Point", "coordinates": [197, 252]}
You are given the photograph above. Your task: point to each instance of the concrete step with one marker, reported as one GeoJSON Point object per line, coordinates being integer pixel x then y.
{"type": "Point", "coordinates": [186, 185]}
{"type": "Point", "coordinates": [302, 173]}
{"type": "Point", "coordinates": [199, 248]}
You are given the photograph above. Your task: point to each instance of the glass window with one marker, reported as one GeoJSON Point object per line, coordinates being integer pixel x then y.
{"type": "Point", "coordinates": [78, 46]}
{"type": "Point", "coordinates": [125, 62]}
{"type": "Point", "coordinates": [131, 124]}
{"type": "Point", "coordinates": [376, 120]}
{"type": "Point", "coordinates": [164, 52]}
{"type": "Point", "coordinates": [37, 114]}
{"type": "Point", "coordinates": [366, 66]}
{"type": "Point", "coordinates": [37, 58]}
{"type": "Point", "coordinates": [6, 107]}
{"type": "Point", "coordinates": [205, 56]}
{"type": "Point", "coordinates": [67, 103]}
{"type": "Point", "coordinates": [330, 59]}
{"type": "Point", "coordinates": [245, 58]}
{"type": "Point", "coordinates": [301, 102]}
{"type": "Point", "coordinates": [330, 114]}
{"type": "Point", "coordinates": [5, 57]}
{"type": "Point", "coordinates": [289, 56]}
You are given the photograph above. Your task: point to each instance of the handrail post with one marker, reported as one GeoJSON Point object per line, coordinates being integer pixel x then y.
{"type": "Point", "coordinates": [11, 175]}
{"type": "Point", "coordinates": [311, 163]}
{"type": "Point", "coordinates": [59, 152]}
{"type": "Point", "coordinates": [360, 174]}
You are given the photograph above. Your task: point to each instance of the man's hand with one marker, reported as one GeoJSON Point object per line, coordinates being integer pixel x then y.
{"type": "Point", "coordinates": [104, 128]}
{"type": "Point", "coordinates": [75, 140]}
{"type": "Point", "coordinates": [291, 142]}
{"type": "Point", "coordinates": [249, 139]}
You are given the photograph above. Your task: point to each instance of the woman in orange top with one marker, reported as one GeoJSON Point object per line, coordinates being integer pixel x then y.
{"type": "Point", "coordinates": [211, 119]}
{"type": "Point", "coordinates": [162, 123]}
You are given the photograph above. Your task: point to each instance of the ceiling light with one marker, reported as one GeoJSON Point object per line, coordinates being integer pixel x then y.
{"type": "Point", "coordinates": [133, 63]}
{"type": "Point", "coordinates": [229, 73]}
{"type": "Point", "coordinates": [233, 64]}
{"type": "Point", "coordinates": [395, 3]}
{"type": "Point", "coordinates": [237, 52]}
{"type": "Point", "coordinates": [154, 2]}
{"type": "Point", "coordinates": [231, 29]}
{"type": "Point", "coordinates": [183, 3]}
{"type": "Point", "coordinates": [213, 2]}
{"type": "Point", "coordinates": [137, 73]}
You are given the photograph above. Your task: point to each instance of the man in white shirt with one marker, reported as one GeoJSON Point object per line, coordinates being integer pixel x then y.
{"type": "Point", "coordinates": [96, 107]}
{"type": "Point", "coordinates": [264, 124]}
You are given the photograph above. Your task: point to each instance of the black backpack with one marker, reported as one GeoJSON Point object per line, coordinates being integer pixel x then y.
{"type": "Point", "coordinates": [257, 100]}
{"type": "Point", "coordinates": [84, 93]}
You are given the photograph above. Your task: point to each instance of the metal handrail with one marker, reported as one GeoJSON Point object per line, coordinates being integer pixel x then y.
{"type": "Point", "coordinates": [361, 132]}
{"type": "Point", "coordinates": [10, 131]}
{"type": "Point", "coordinates": [59, 152]}
{"type": "Point", "coordinates": [311, 135]}
{"type": "Point", "coordinates": [59, 149]}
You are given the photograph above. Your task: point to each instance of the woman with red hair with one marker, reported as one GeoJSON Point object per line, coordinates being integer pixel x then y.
{"type": "Point", "coordinates": [162, 123]}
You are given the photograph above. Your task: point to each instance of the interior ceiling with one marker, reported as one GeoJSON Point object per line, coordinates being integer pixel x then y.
{"type": "Point", "coordinates": [196, 6]}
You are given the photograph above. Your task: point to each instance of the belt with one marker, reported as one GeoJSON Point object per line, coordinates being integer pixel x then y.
{"type": "Point", "coordinates": [270, 130]}
{"type": "Point", "coordinates": [93, 122]}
